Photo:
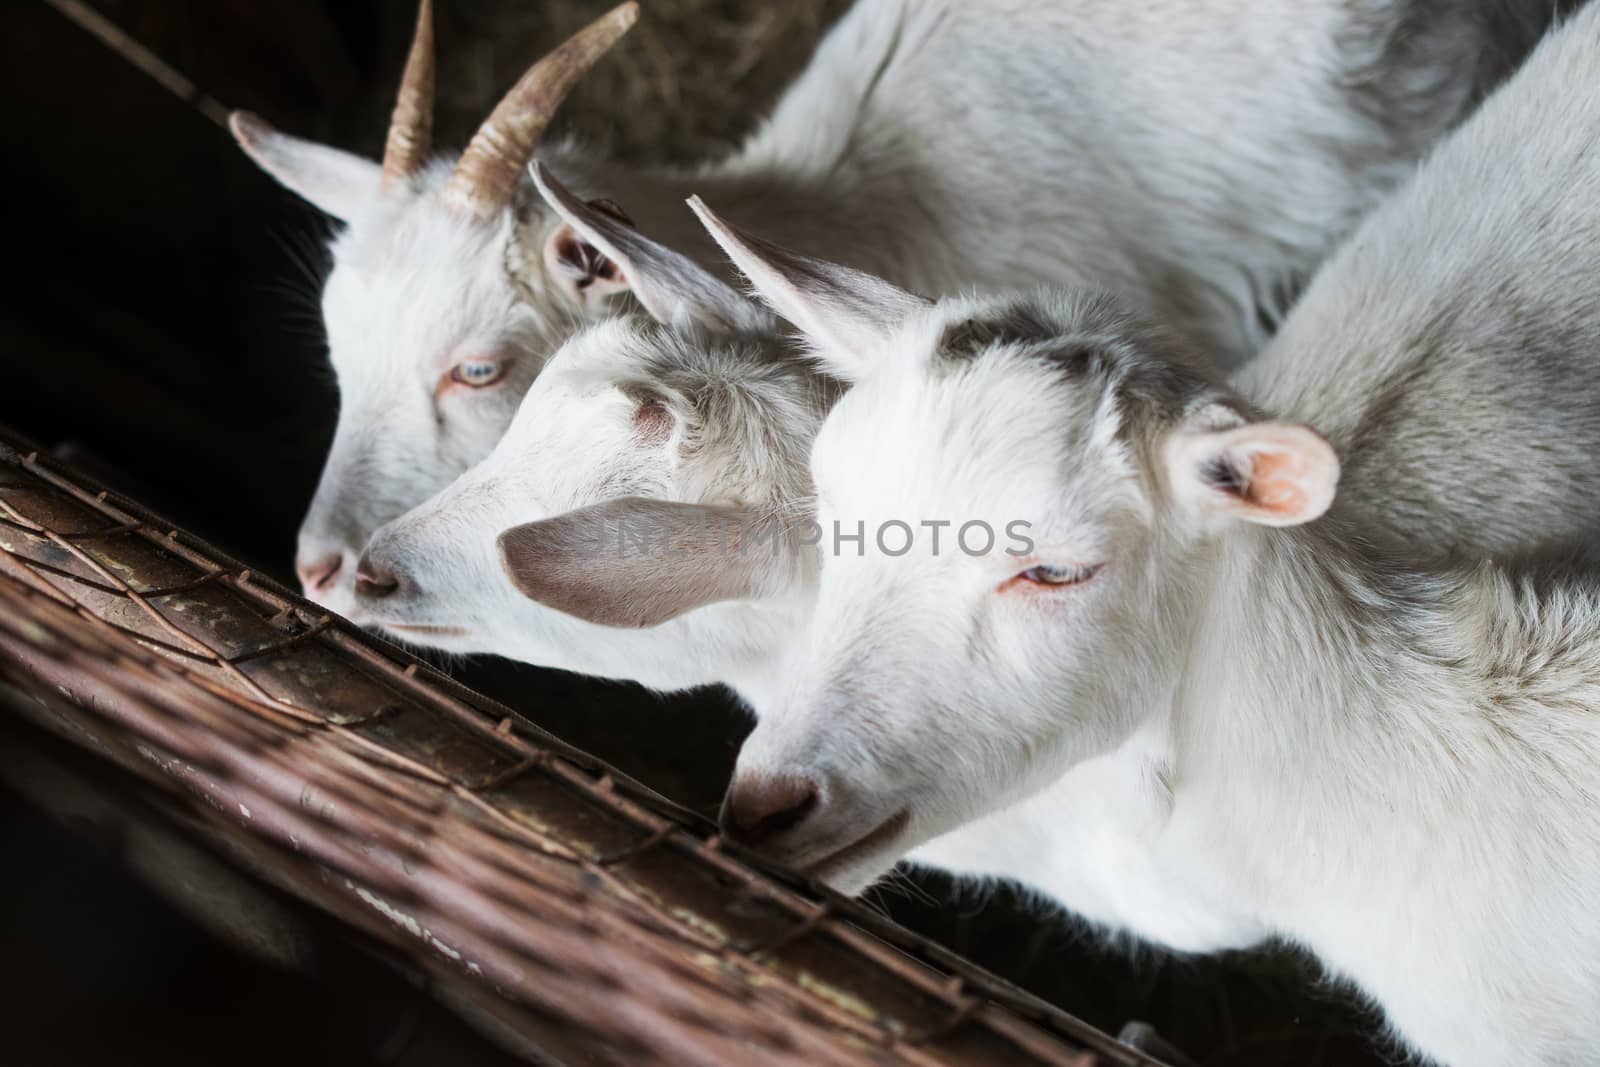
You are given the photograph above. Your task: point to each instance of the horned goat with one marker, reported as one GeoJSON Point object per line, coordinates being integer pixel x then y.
{"type": "Point", "coordinates": [1199, 160]}
{"type": "Point", "coordinates": [719, 418]}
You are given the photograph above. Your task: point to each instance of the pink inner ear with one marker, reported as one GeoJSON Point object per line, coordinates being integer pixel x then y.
{"type": "Point", "coordinates": [1275, 482]}
{"type": "Point", "coordinates": [1293, 473]}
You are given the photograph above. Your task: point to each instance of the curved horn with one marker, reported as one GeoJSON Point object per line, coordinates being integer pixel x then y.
{"type": "Point", "coordinates": [411, 127]}
{"type": "Point", "coordinates": [490, 168]}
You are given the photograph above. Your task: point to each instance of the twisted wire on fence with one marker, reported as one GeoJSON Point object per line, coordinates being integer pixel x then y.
{"type": "Point", "coordinates": [579, 906]}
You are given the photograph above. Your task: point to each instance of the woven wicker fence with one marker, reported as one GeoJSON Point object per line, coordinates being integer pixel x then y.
{"type": "Point", "coordinates": [581, 912]}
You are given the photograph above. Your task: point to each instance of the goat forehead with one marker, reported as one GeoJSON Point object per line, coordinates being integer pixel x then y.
{"type": "Point", "coordinates": [609, 346]}
{"type": "Point", "coordinates": [567, 442]}
{"type": "Point", "coordinates": [987, 434]}
{"type": "Point", "coordinates": [414, 281]}
{"type": "Point", "coordinates": [577, 388]}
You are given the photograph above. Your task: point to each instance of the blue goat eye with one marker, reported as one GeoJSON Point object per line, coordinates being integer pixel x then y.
{"type": "Point", "coordinates": [477, 373]}
{"type": "Point", "coordinates": [1045, 574]}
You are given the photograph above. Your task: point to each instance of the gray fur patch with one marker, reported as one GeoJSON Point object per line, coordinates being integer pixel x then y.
{"type": "Point", "coordinates": [1153, 375]}
{"type": "Point", "coordinates": [964, 341]}
{"type": "Point", "coordinates": [1413, 87]}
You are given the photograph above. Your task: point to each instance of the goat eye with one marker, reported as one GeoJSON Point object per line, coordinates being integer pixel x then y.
{"type": "Point", "coordinates": [1046, 574]}
{"type": "Point", "coordinates": [477, 373]}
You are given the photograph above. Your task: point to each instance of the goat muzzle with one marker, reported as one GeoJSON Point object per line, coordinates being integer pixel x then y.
{"type": "Point", "coordinates": [760, 808]}
{"type": "Point", "coordinates": [375, 581]}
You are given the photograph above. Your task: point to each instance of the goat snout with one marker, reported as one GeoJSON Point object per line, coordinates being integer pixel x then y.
{"type": "Point", "coordinates": [375, 580]}
{"type": "Point", "coordinates": [317, 574]}
{"type": "Point", "coordinates": [759, 808]}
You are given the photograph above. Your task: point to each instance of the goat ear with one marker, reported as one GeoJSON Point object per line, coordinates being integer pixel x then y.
{"type": "Point", "coordinates": [339, 183]}
{"type": "Point", "coordinates": [635, 562]}
{"type": "Point", "coordinates": [1271, 473]}
{"type": "Point", "coordinates": [846, 313]}
{"type": "Point", "coordinates": [599, 253]}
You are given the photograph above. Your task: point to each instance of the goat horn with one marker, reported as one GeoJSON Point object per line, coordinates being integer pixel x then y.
{"type": "Point", "coordinates": [490, 168]}
{"type": "Point", "coordinates": [411, 127]}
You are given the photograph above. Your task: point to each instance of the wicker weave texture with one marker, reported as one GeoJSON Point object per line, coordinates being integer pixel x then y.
{"type": "Point", "coordinates": [585, 910]}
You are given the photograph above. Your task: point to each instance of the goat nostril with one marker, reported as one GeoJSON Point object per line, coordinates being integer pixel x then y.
{"type": "Point", "coordinates": [757, 810]}
{"type": "Point", "coordinates": [315, 575]}
{"type": "Point", "coordinates": [374, 581]}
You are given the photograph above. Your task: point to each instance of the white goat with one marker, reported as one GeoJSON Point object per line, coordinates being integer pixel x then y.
{"type": "Point", "coordinates": [628, 408]}
{"type": "Point", "coordinates": [1199, 157]}
{"type": "Point", "coordinates": [1182, 705]}
{"type": "Point", "coordinates": [723, 420]}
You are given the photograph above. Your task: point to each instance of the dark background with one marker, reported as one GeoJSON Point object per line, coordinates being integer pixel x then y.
{"type": "Point", "coordinates": [158, 325]}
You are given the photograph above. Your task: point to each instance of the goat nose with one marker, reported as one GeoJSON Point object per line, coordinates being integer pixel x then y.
{"type": "Point", "coordinates": [317, 574]}
{"type": "Point", "coordinates": [759, 808]}
{"type": "Point", "coordinates": [374, 580]}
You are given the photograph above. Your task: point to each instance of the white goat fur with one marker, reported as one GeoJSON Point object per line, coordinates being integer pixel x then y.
{"type": "Point", "coordinates": [1242, 725]}
{"type": "Point", "coordinates": [1197, 156]}
{"type": "Point", "coordinates": [1367, 339]}
{"type": "Point", "coordinates": [742, 418]}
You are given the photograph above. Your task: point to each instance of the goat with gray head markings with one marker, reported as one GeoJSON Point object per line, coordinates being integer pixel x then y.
{"type": "Point", "coordinates": [1259, 134]}
{"type": "Point", "coordinates": [1305, 727]}
{"type": "Point", "coordinates": [636, 426]}
{"type": "Point", "coordinates": [589, 439]}
{"type": "Point", "coordinates": [728, 412]}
